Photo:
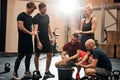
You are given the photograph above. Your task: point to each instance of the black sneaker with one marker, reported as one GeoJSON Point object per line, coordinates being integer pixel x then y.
{"type": "Point", "coordinates": [36, 74]}
{"type": "Point", "coordinates": [48, 75]}
{"type": "Point", "coordinates": [39, 74]}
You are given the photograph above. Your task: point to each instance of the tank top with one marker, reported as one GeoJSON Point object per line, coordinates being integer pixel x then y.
{"type": "Point", "coordinates": [85, 37]}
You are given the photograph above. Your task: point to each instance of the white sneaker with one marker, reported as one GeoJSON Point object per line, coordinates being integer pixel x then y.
{"type": "Point", "coordinates": [15, 76]}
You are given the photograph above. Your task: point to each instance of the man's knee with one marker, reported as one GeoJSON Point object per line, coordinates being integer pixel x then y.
{"type": "Point", "coordinates": [90, 72]}
{"type": "Point", "coordinates": [59, 63]}
{"type": "Point", "coordinates": [56, 64]}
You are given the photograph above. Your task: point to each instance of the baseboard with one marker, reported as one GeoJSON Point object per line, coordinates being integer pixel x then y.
{"type": "Point", "coordinates": [8, 54]}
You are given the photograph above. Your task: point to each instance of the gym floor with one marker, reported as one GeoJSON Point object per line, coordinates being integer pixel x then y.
{"type": "Point", "coordinates": [42, 60]}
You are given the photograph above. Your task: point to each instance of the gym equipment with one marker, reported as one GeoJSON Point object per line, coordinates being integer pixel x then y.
{"type": "Point", "coordinates": [115, 75]}
{"type": "Point", "coordinates": [36, 76]}
{"type": "Point", "coordinates": [55, 44]}
{"type": "Point", "coordinates": [97, 77]}
{"type": "Point", "coordinates": [86, 78]}
{"type": "Point", "coordinates": [7, 67]}
{"type": "Point", "coordinates": [65, 73]}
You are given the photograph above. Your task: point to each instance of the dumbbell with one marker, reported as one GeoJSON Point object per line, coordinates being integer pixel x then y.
{"type": "Point", "coordinates": [115, 75]}
{"type": "Point", "coordinates": [7, 67]}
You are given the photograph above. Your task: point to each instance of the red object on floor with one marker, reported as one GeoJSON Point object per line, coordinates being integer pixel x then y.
{"type": "Point", "coordinates": [77, 76]}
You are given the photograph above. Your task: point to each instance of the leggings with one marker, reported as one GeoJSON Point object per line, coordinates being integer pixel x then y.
{"type": "Point", "coordinates": [18, 61]}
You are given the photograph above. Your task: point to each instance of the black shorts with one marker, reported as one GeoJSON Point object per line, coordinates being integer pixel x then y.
{"type": "Point", "coordinates": [46, 47]}
{"type": "Point", "coordinates": [102, 72]}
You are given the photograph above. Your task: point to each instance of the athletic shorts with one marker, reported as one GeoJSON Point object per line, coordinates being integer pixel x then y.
{"type": "Point", "coordinates": [46, 47]}
{"type": "Point", "coordinates": [102, 72]}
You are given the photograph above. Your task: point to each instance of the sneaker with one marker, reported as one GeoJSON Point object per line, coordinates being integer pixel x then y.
{"type": "Point", "coordinates": [27, 75]}
{"type": "Point", "coordinates": [15, 76]}
{"type": "Point", "coordinates": [77, 76]}
{"type": "Point", "coordinates": [48, 75]}
{"type": "Point", "coordinates": [37, 74]}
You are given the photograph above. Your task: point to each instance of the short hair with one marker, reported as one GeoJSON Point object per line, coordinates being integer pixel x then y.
{"type": "Point", "coordinates": [31, 5]}
{"type": "Point", "coordinates": [75, 35]}
{"type": "Point", "coordinates": [41, 5]}
{"type": "Point", "coordinates": [90, 41]}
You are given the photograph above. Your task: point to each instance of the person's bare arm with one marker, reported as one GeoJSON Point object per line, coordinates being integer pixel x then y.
{"type": "Point", "coordinates": [22, 28]}
{"type": "Point", "coordinates": [51, 34]}
{"type": "Point", "coordinates": [36, 31]}
{"type": "Point", "coordinates": [64, 53]}
{"type": "Point", "coordinates": [84, 59]}
{"type": "Point", "coordinates": [92, 64]}
{"type": "Point", "coordinates": [39, 45]}
{"type": "Point", "coordinates": [94, 25]}
{"type": "Point", "coordinates": [75, 56]}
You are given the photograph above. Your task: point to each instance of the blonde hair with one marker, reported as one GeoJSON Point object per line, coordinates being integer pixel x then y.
{"type": "Point", "coordinates": [89, 5]}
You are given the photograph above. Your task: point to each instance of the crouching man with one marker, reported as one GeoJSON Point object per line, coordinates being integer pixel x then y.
{"type": "Point", "coordinates": [100, 64]}
{"type": "Point", "coordinates": [70, 53]}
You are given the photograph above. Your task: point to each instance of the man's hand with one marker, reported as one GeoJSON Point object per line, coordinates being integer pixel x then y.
{"type": "Point", "coordinates": [65, 59]}
{"type": "Point", "coordinates": [52, 41]}
{"type": "Point", "coordinates": [79, 32]}
{"type": "Point", "coordinates": [33, 33]}
{"type": "Point", "coordinates": [79, 64]}
{"type": "Point", "coordinates": [39, 45]}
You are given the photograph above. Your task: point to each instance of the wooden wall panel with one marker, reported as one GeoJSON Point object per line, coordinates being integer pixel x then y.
{"type": "Point", "coordinates": [108, 48]}
{"type": "Point", "coordinates": [97, 2]}
{"type": "Point", "coordinates": [118, 51]}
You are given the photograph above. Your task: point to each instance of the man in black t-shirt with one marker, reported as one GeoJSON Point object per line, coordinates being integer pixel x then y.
{"type": "Point", "coordinates": [42, 42]}
{"type": "Point", "coordinates": [25, 45]}
{"type": "Point", "coordinates": [100, 64]}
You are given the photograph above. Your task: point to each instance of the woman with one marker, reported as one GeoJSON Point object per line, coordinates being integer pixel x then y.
{"type": "Point", "coordinates": [87, 29]}
{"type": "Point", "coordinates": [88, 26]}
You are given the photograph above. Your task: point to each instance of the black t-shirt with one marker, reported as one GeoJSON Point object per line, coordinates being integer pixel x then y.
{"type": "Point", "coordinates": [43, 22]}
{"type": "Point", "coordinates": [103, 60]}
{"type": "Point", "coordinates": [27, 22]}
{"type": "Point", "coordinates": [25, 44]}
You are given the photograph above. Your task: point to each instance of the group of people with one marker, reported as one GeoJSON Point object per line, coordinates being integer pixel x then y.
{"type": "Point", "coordinates": [41, 30]}
{"type": "Point", "coordinates": [85, 52]}
{"type": "Point", "coordinates": [98, 63]}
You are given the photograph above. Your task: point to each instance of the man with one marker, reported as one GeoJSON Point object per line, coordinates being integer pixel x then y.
{"type": "Point", "coordinates": [100, 64]}
{"type": "Point", "coordinates": [72, 49]}
{"type": "Point", "coordinates": [25, 45]}
{"type": "Point", "coordinates": [42, 42]}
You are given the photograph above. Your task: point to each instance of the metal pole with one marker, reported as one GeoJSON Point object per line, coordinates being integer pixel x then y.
{"type": "Point", "coordinates": [118, 19]}
{"type": "Point", "coordinates": [102, 20]}
{"type": "Point", "coordinates": [68, 29]}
